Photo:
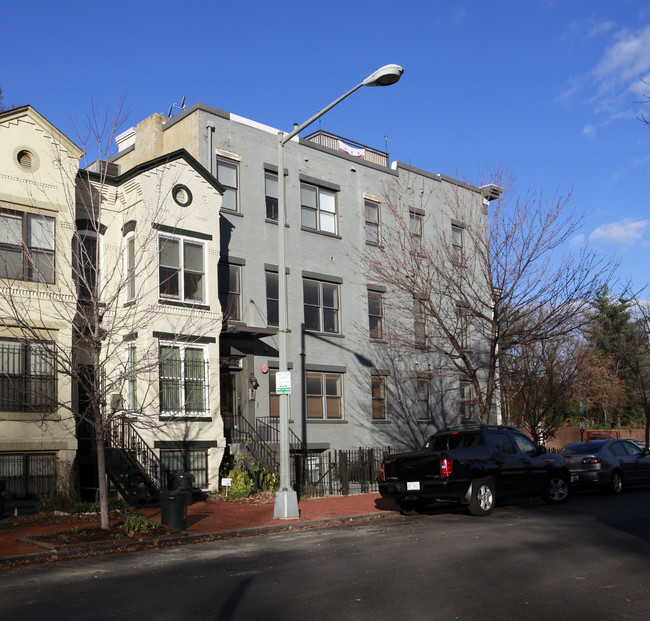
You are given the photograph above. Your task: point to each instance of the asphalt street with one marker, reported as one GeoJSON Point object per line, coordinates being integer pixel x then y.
{"type": "Point", "coordinates": [587, 559]}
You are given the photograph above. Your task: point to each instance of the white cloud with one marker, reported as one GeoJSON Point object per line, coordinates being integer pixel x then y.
{"type": "Point", "coordinates": [590, 131]}
{"type": "Point", "coordinates": [624, 232]}
{"type": "Point", "coordinates": [626, 60]}
{"type": "Point", "coordinates": [577, 241]}
{"type": "Point", "coordinates": [600, 28]}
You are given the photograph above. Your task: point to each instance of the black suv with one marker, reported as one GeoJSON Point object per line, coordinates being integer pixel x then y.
{"type": "Point", "coordinates": [474, 465]}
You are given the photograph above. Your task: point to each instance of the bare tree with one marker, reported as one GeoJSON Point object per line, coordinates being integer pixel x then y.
{"type": "Point", "coordinates": [110, 275]}
{"type": "Point", "coordinates": [480, 281]}
{"type": "Point", "coordinates": [537, 384]}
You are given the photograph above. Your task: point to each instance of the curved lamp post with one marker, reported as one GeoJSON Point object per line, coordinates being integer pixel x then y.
{"type": "Point", "coordinates": [286, 500]}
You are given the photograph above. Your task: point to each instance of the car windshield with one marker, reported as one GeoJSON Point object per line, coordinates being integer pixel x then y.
{"type": "Point", "coordinates": [583, 448]}
{"type": "Point", "coordinates": [453, 440]}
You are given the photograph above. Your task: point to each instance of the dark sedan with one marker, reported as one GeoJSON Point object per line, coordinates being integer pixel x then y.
{"type": "Point", "coordinates": [608, 464]}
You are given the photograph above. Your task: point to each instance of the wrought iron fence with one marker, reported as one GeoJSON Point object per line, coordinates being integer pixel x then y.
{"type": "Point", "coordinates": [341, 472]}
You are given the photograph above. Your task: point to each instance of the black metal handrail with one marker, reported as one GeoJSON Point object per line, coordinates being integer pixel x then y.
{"type": "Point", "coordinates": [242, 432]}
{"type": "Point", "coordinates": [123, 435]}
{"type": "Point", "coordinates": [268, 428]}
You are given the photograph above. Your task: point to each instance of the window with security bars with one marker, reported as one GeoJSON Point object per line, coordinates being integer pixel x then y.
{"type": "Point", "coordinates": [27, 376]}
{"type": "Point", "coordinates": [183, 380]}
{"type": "Point", "coordinates": [27, 247]}
{"type": "Point", "coordinates": [324, 396]}
{"type": "Point", "coordinates": [28, 475]}
{"type": "Point", "coordinates": [191, 460]}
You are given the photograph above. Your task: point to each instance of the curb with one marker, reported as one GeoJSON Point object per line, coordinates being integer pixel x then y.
{"type": "Point", "coordinates": [188, 539]}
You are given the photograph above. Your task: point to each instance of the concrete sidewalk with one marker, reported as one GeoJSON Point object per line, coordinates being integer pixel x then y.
{"type": "Point", "coordinates": [209, 519]}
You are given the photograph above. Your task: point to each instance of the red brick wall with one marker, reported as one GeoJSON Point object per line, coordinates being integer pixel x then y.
{"type": "Point", "coordinates": [566, 435]}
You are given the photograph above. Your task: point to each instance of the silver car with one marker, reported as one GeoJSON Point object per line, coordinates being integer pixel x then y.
{"type": "Point", "coordinates": [608, 464]}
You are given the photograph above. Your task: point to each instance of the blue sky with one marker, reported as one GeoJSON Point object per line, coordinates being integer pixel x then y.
{"type": "Point", "coordinates": [547, 88]}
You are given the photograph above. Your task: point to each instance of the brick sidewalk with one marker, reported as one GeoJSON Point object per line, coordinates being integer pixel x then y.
{"type": "Point", "coordinates": [209, 518]}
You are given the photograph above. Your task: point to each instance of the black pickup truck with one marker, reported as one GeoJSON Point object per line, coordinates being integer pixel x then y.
{"type": "Point", "coordinates": [474, 465]}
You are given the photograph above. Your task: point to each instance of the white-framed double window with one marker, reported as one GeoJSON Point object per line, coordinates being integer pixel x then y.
{"type": "Point", "coordinates": [183, 379]}
{"type": "Point", "coordinates": [324, 395]}
{"type": "Point", "coordinates": [322, 306]}
{"type": "Point", "coordinates": [318, 209]}
{"type": "Point", "coordinates": [27, 246]}
{"type": "Point", "coordinates": [181, 269]}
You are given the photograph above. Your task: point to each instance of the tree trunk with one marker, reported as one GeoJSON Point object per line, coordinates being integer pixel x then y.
{"type": "Point", "coordinates": [100, 447]}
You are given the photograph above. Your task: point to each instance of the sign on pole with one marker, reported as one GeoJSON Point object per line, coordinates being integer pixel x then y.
{"type": "Point", "coordinates": [283, 382]}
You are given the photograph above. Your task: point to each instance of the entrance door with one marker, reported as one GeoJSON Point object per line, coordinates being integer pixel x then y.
{"type": "Point", "coordinates": [230, 406]}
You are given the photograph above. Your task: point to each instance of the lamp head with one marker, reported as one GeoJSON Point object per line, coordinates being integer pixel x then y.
{"type": "Point", "coordinates": [384, 76]}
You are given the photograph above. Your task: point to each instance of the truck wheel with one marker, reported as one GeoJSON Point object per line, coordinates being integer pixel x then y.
{"type": "Point", "coordinates": [482, 501]}
{"type": "Point", "coordinates": [557, 490]}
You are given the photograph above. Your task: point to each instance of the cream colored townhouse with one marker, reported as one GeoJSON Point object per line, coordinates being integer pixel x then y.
{"type": "Point", "coordinates": [109, 318]}
{"type": "Point", "coordinates": [38, 167]}
{"type": "Point", "coordinates": [149, 250]}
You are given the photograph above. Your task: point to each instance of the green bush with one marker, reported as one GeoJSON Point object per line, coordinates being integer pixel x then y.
{"type": "Point", "coordinates": [242, 483]}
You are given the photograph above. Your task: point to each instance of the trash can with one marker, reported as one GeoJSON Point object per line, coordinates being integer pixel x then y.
{"type": "Point", "coordinates": [182, 481]}
{"type": "Point", "coordinates": [173, 508]}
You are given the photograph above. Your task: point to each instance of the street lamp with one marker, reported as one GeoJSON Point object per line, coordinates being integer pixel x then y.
{"type": "Point", "coordinates": [286, 500]}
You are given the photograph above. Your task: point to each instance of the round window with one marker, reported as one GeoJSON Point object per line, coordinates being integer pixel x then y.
{"type": "Point", "coordinates": [182, 195]}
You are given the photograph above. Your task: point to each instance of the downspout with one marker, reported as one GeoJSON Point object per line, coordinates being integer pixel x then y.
{"type": "Point", "coordinates": [210, 129]}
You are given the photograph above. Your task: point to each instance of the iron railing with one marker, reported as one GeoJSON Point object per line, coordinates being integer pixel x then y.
{"type": "Point", "coordinates": [123, 435]}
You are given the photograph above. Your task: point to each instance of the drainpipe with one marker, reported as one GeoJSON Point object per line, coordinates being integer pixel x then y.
{"type": "Point", "coordinates": [210, 130]}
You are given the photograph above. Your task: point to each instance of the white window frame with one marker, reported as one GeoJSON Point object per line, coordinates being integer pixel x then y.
{"type": "Point", "coordinates": [372, 224]}
{"type": "Point", "coordinates": [183, 347]}
{"type": "Point", "coordinates": [129, 267]}
{"type": "Point", "coordinates": [25, 245]}
{"type": "Point", "coordinates": [230, 189]}
{"type": "Point", "coordinates": [322, 308]}
{"type": "Point", "coordinates": [268, 195]}
{"type": "Point", "coordinates": [324, 397]}
{"type": "Point", "coordinates": [181, 297]}
{"type": "Point", "coordinates": [320, 214]}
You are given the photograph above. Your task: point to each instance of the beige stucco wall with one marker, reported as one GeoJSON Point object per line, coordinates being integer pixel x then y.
{"type": "Point", "coordinates": [45, 188]}
{"type": "Point", "coordinates": [143, 201]}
